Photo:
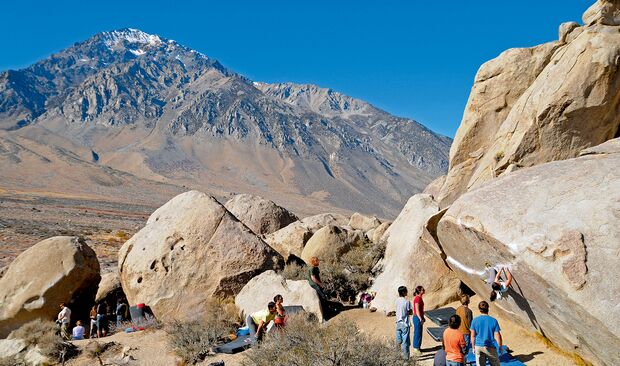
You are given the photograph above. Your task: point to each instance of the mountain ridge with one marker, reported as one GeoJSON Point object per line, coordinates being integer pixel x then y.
{"type": "Point", "coordinates": [152, 107]}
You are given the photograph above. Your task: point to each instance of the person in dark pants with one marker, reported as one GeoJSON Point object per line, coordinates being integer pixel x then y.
{"type": "Point", "coordinates": [484, 330]}
{"type": "Point", "coordinates": [102, 326]}
{"type": "Point", "coordinates": [257, 322]}
{"type": "Point", "coordinates": [403, 311]}
{"type": "Point", "coordinates": [314, 279]}
{"type": "Point", "coordinates": [418, 320]}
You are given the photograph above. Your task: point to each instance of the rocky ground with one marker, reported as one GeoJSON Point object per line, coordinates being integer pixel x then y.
{"type": "Point", "coordinates": [26, 219]}
{"type": "Point", "coordinates": [151, 347]}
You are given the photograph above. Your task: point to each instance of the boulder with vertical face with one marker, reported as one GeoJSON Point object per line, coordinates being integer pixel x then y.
{"type": "Point", "coordinates": [556, 226]}
{"type": "Point", "coordinates": [190, 251]}
{"type": "Point", "coordinates": [55, 270]}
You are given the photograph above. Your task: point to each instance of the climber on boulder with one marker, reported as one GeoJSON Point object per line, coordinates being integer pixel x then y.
{"type": "Point", "coordinates": [500, 286]}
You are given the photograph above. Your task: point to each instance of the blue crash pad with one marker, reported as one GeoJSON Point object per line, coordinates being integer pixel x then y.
{"type": "Point", "coordinates": [505, 358]}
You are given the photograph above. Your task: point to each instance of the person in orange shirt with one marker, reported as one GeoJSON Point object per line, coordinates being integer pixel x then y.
{"type": "Point", "coordinates": [454, 342]}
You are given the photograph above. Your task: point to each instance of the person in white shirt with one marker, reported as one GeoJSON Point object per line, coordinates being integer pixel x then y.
{"type": "Point", "coordinates": [78, 331]}
{"type": "Point", "coordinates": [64, 318]}
{"type": "Point", "coordinates": [403, 311]}
{"type": "Point", "coordinates": [499, 286]}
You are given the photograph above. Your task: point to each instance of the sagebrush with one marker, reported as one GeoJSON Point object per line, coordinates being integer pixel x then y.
{"type": "Point", "coordinates": [45, 336]}
{"type": "Point", "coordinates": [306, 343]}
{"type": "Point", "coordinates": [194, 340]}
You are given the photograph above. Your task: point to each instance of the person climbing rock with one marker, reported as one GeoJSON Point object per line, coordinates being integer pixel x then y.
{"type": "Point", "coordinates": [498, 285]}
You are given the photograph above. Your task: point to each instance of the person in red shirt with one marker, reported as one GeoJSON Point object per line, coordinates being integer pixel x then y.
{"type": "Point", "coordinates": [418, 319]}
{"type": "Point", "coordinates": [454, 342]}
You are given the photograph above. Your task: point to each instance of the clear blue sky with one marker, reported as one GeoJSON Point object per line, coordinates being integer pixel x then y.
{"type": "Point", "coordinates": [413, 58]}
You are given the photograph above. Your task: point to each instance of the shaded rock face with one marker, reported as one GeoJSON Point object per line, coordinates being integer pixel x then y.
{"type": "Point", "coordinates": [364, 223]}
{"type": "Point", "coordinates": [331, 240]}
{"type": "Point", "coordinates": [110, 289]}
{"type": "Point", "coordinates": [191, 250]}
{"type": "Point", "coordinates": [556, 225]}
{"type": "Point", "coordinates": [547, 103]}
{"type": "Point", "coordinates": [261, 289]}
{"type": "Point", "coordinates": [55, 270]}
{"type": "Point", "coordinates": [411, 261]}
{"type": "Point", "coordinates": [260, 215]}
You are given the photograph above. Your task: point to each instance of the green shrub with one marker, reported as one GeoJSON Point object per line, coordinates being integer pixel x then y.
{"type": "Point", "coordinates": [293, 271]}
{"type": "Point", "coordinates": [305, 343]}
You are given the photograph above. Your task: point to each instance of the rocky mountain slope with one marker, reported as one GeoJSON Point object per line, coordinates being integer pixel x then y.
{"type": "Point", "coordinates": [152, 108]}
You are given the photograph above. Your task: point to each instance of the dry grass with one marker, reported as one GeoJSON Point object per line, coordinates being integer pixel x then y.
{"type": "Point", "coordinates": [44, 336]}
{"type": "Point", "coordinates": [194, 341]}
{"type": "Point", "coordinates": [306, 343]}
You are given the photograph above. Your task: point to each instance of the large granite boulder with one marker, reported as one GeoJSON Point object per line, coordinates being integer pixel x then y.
{"type": "Point", "coordinates": [606, 12]}
{"type": "Point", "coordinates": [331, 240]}
{"type": "Point", "coordinates": [292, 239]}
{"type": "Point", "coordinates": [362, 222]}
{"type": "Point", "coordinates": [547, 103]}
{"type": "Point", "coordinates": [498, 85]}
{"type": "Point", "coordinates": [110, 288]}
{"type": "Point", "coordinates": [55, 270]}
{"type": "Point", "coordinates": [261, 289]}
{"type": "Point", "coordinates": [260, 215]}
{"type": "Point", "coordinates": [411, 261]}
{"type": "Point", "coordinates": [190, 251]}
{"type": "Point", "coordinates": [379, 232]}
{"type": "Point", "coordinates": [557, 226]}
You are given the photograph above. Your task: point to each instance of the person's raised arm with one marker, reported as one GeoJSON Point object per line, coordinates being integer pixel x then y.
{"type": "Point", "coordinates": [498, 276]}
{"type": "Point", "coordinates": [508, 278]}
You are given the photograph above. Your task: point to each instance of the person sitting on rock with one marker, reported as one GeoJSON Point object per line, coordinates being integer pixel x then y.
{"type": "Point", "coordinates": [64, 319]}
{"type": "Point", "coordinates": [280, 319]}
{"type": "Point", "coordinates": [500, 287]}
{"type": "Point", "coordinates": [78, 331]}
{"type": "Point", "coordinates": [258, 321]}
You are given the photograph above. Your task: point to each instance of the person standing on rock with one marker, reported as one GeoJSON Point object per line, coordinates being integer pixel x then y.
{"type": "Point", "coordinates": [403, 311]}
{"type": "Point", "coordinates": [314, 279]}
{"type": "Point", "coordinates": [418, 320]}
{"type": "Point", "coordinates": [93, 322]}
{"type": "Point", "coordinates": [121, 308]}
{"type": "Point", "coordinates": [64, 319]}
{"type": "Point", "coordinates": [466, 315]}
{"type": "Point", "coordinates": [484, 331]}
{"type": "Point", "coordinates": [257, 322]}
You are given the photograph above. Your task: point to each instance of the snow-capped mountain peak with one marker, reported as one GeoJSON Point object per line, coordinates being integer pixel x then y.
{"type": "Point", "coordinates": [131, 36]}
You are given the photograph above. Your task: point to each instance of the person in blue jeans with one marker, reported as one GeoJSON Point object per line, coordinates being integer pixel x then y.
{"type": "Point", "coordinates": [403, 311]}
{"type": "Point", "coordinates": [484, 331]}
{"type": "Point", "coordinates": [418, 320]}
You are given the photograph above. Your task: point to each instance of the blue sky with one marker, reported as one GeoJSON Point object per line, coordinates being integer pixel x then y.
{"type": "Point", "coordinates": [414, 58]}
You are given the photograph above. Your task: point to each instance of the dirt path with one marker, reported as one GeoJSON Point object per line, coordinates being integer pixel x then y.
{"type": "Point", "coordinates": [526, 346]}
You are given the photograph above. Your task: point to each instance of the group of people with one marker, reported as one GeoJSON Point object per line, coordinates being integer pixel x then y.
{"type": "Point", "coordinates": [266, 320]}
{"type": "Point", "coordinates": [463, 331]}
{"type": "Point", "coordinates": [100, 316]}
